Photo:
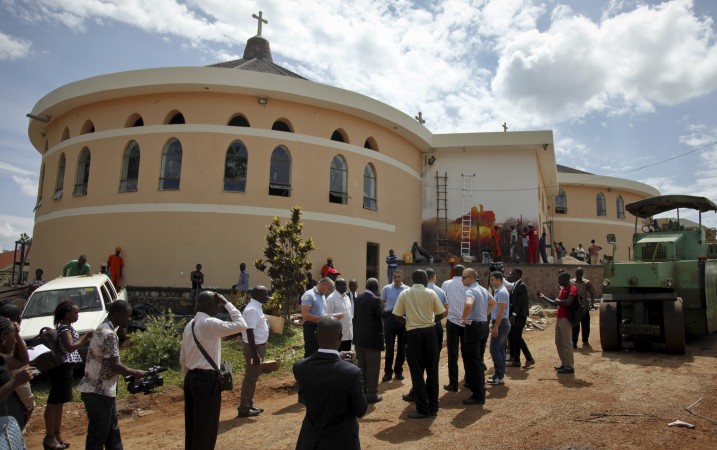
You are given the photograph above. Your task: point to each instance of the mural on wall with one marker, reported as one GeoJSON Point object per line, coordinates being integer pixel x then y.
{"type": "Point", "coordinates": [489, 237]}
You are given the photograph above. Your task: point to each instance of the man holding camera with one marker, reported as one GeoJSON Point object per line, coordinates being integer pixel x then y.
{"type": "Point", "coordinates": [98, 387]}
{"type": "Point", "coordinates": [202, 396]}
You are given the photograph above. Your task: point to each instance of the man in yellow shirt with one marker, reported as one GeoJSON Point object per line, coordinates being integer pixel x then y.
{"type": "Point", "coordinates": [421, 306]}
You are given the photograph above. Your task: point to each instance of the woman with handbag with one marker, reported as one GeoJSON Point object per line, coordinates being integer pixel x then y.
{"type": "Point", "coordinates": [66, 313]}
{"type": "Point", "coordinates": [12, 411]}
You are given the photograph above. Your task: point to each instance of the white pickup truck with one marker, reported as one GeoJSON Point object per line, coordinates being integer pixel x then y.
{"type": "Point", "coordinates": [92, 294]}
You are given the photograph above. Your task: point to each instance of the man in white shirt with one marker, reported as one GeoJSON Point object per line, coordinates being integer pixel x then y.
{"type": "Point", "coordinates": [202, 397]}
{"type": "Point", "coordinates": [257, 333]}
{"type": "Point", "coordinates": [456, 297]}
{"type": "Point", "coordinates": [340, 303]}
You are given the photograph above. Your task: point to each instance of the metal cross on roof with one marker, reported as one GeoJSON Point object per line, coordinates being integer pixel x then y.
{"type": "Point", "coordinates": [260, 20]}
{"type": "Point", "coordinates": [505, 127]}
{"type": "Point", "coordinates": [420, 118]}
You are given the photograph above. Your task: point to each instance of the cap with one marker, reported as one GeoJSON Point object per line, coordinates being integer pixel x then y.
{"type": "Point", "coordinates": [329, 259]}
{"type": "Point", "coordinates": [333, 271]}
{"type": "Point", "coordinates": [118, 249]}
{"type": "Point", "coordinates": [103, 265]}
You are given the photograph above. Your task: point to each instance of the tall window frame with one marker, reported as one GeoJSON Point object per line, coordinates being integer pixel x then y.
{"type": "Point", "coordinates": [60, 179]}
{"type": "Point", "coordinates": [130, 168]}
{"type": "Point", "coordinates": [600, 204]}
{"type": "Point", "coordinates": [236, 164]}
{"type": "Point", "coordinates": [280, 172]}
{"type": "Point", "coordinates": [170, 174]}
{"type": "Point", "coordinates": [561, 203]}
{"type": "Point", "coordinates": [83, 172]}
{"type": "Point", "coordinates": [620, 207]}
{"type": "Point", "coordinates": [369, 188]}
{"type": "Point", "coordinates": [338, 181]}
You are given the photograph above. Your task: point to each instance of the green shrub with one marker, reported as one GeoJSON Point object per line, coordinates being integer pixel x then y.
{"type": "Point", "coordinates": [158, 345]}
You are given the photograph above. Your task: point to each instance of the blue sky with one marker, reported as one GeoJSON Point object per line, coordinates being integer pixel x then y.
{"type": "Point", "coordinates": [623, 84]}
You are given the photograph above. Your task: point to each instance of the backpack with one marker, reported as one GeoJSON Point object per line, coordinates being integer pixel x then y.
{"type": "Point", "coordinates": [578, 309]}
{"type": "Point", "coordinates": [49, 360]}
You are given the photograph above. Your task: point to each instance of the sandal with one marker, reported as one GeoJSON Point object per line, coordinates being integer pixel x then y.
{"type": "Point", "coordinates": [47, 446]}
{"type": "Point", "coordinates": [59, 440]}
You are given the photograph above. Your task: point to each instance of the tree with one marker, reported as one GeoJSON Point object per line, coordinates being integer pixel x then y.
{"type": "Point", "coordinates": [285, 261]}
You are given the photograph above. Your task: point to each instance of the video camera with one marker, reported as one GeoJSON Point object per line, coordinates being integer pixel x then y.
{"type": "Point", "coordinates": [148, 383]}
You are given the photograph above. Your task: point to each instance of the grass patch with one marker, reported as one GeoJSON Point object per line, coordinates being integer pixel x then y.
{"type": "Point", "coordinates": [285, 348]}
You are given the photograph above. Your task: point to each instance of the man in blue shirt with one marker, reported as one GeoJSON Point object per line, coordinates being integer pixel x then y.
{"type": "Point", "coordinates": [478, 305]}
{"type": "Point", "coordinates": [393, 330]}
{"type": "Point", "coordinates": [242, 285]}
{"type": "Point", "coordinates": [501, 327]}
{"type": "Point", "coordinates": [392, 262]}
{"type": "Point", "coordinates": [313, 307]}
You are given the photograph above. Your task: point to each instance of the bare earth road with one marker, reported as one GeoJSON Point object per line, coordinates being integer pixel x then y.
{"type": "Point", "coordinates": [615, 400]}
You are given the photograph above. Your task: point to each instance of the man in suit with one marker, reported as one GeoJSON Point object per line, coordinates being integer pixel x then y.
{"type": "Point", "coordinates": [333, 393]}
{"type": "Point", "coordinates": [368, 338]}
{"type": "Point", "coordinates": [519, 309]}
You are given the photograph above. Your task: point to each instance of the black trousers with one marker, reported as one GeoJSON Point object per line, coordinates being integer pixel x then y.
{"type": "Point", "coordinates": [475, 333]}
{"type": "Point", "coordinates": [423, 358]}
{"type": "Point", "coordinates": [202, 403]}
{"type": "Point", "coordinates": [517, 343]}
{"type": "Point", "coordinates": [102, 427]}
{"type": "Point", "coordinates": [454, 338]}
{"type": "Point", "coordinates": [310, 342]}
{"type": "Point", "coordinates": [439, 338]}
{"type": "Point", "coordinates": [394, 331]}
{"type": "Point", "coordinates": [585, 323]}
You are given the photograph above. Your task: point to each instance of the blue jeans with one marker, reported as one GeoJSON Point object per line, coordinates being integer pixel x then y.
{"type": "Point", "coordinates": [497, 348]}
{"type": "Point", "coordinates": [102, 427]}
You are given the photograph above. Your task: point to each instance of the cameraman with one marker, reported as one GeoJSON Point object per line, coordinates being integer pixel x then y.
{"type": "Point", "coordinates": [98, 387]}
{"type": "Point", "coordinates": [202, 396]}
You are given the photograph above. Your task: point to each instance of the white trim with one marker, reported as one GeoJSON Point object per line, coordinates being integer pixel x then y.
{"type": "Point", "coordinates": [626, 223]}
{"type": "Point", "coordinates": [280, 136]}
{"type": "Point", "coordinates": [211, 208]}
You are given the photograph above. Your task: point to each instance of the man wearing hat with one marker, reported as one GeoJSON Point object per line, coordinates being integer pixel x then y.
{"type": "Point", "coordinates": [115, 263]}
{"type": "Point", "coordinates": [326, 267]}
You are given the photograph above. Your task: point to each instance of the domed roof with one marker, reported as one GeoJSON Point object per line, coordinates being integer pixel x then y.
{"type": "Point", "coordinates": [257, 56]}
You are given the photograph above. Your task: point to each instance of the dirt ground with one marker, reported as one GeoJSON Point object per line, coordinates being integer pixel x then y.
{"type": "Point", "coordinates": [614, 400]}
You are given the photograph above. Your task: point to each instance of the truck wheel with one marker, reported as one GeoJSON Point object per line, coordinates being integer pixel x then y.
{"type": "Point", "coordinates": [674, 326]}
{"type": "Point", "coordinates": [610, 338]}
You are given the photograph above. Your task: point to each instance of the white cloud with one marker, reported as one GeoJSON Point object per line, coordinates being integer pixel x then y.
{"type": "Point", "coordinates": [11, 227]}
{"type": "Point", "coordinates": [13, 169]}
{"type": "Point", "coordinates": [13, 48]}
{"type": "Point", "coordinates": [27, 186]}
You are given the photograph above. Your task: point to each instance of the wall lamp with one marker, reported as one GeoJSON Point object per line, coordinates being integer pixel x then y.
{"type": "Point", "coordinates": [431, 160]}
{"type": "Point", "coordinates": [545, 147]}
{"type": "Point", "coordinates": [42, 118]}
{"type": "Point", "coordinates": [263, 101]}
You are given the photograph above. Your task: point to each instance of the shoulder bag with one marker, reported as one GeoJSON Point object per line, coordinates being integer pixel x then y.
{"type": "Point", "coordinates": [10, 433]}
{"type": "Point", "coordinates": [226, 382]}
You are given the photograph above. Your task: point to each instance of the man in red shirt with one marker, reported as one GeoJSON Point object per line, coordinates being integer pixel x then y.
{"type": "Point", "coordinates": [115, 263]}
{"type": "Point", "coordinates": [563, 328]}
{"type": "Point", "coordinates": [532, 236]}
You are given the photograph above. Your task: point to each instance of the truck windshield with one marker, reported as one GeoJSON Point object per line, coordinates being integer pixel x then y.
{"type": "Point", "coordinates": [44, 303]}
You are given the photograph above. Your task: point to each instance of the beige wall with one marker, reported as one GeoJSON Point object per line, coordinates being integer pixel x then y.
{"type": "Point", "coordinates": [164, 233]}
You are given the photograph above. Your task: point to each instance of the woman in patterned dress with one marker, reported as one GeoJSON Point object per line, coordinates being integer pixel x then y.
{"type": "Point", "coordinates": [66, 313]}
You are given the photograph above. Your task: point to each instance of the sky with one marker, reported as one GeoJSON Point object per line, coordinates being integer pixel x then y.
{"type": "Point", "coordinates": [629, 88]}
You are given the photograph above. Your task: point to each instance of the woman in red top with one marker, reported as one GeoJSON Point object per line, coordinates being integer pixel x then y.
{"type": "Point", "coordinates": [563, 327]}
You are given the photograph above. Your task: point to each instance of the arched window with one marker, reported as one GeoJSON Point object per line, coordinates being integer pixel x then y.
{"type": "Point", "coordinates": [370, 144]}
{"type": "Point", "coordinates": [369, 187]}
{"type": "Point", "coordinates": [235, 165]}
{"type": "Point", "coordinates": [600, 201]}
{"type": "Point", "coordinates": [239, 121]}
{"type": "Point", "coordinates": [171, 170]}
{"type": "Point", "coordinates": [282, 125]}
{"type": "Point", "coordinates": [280, 172]}
{"type": "Point", "coordinates": [65, 134]}
{"type": "Point", "coordinates": [83, 172]}
{"type": "Point", "coordinates": [620, 207]}
{"type": "Point", "coordinates": [338, 184]}
{"type": "Point", "coordinates": [88, 127]}
{"type": "Point", "coordinates": [176, 118]}
{"type": "Point", "coordinates": [135, 120]}
{"type": "Point", "coordinates": [339, 135]}
{"type": "Point", "coordinates": [40, 183]}
{"type": "Point", "coordinates": [561, 203]}
{"type": "Point", "coordinates": [130, 168]}
{"type": "Point", "coordinates": [60, 180]}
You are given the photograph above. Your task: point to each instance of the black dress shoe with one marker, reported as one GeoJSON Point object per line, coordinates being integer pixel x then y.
{"type": "Point", "coordinates": [450, 387]}
{"type": "Point", "coordinates": [376, 399]}
{"type": "Point", "coordinates": [261, 410]}
{"type": "Point", "coordinates": [386, 378]}
{"type": "Point", "coordinates": [409, 398]}
{"type": "Point", "coordinates": [249, 413]}
{"type": "Point", "coordinates": [417, 415]}
{"type": "Point", "coordinates": [473, 401]}
{"type": "Point", "coordinates": [399, 376]}
{"type": "Point", "coordinates": [566, 370]}
{"type": "Point", "coordinates": [559, 367]}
